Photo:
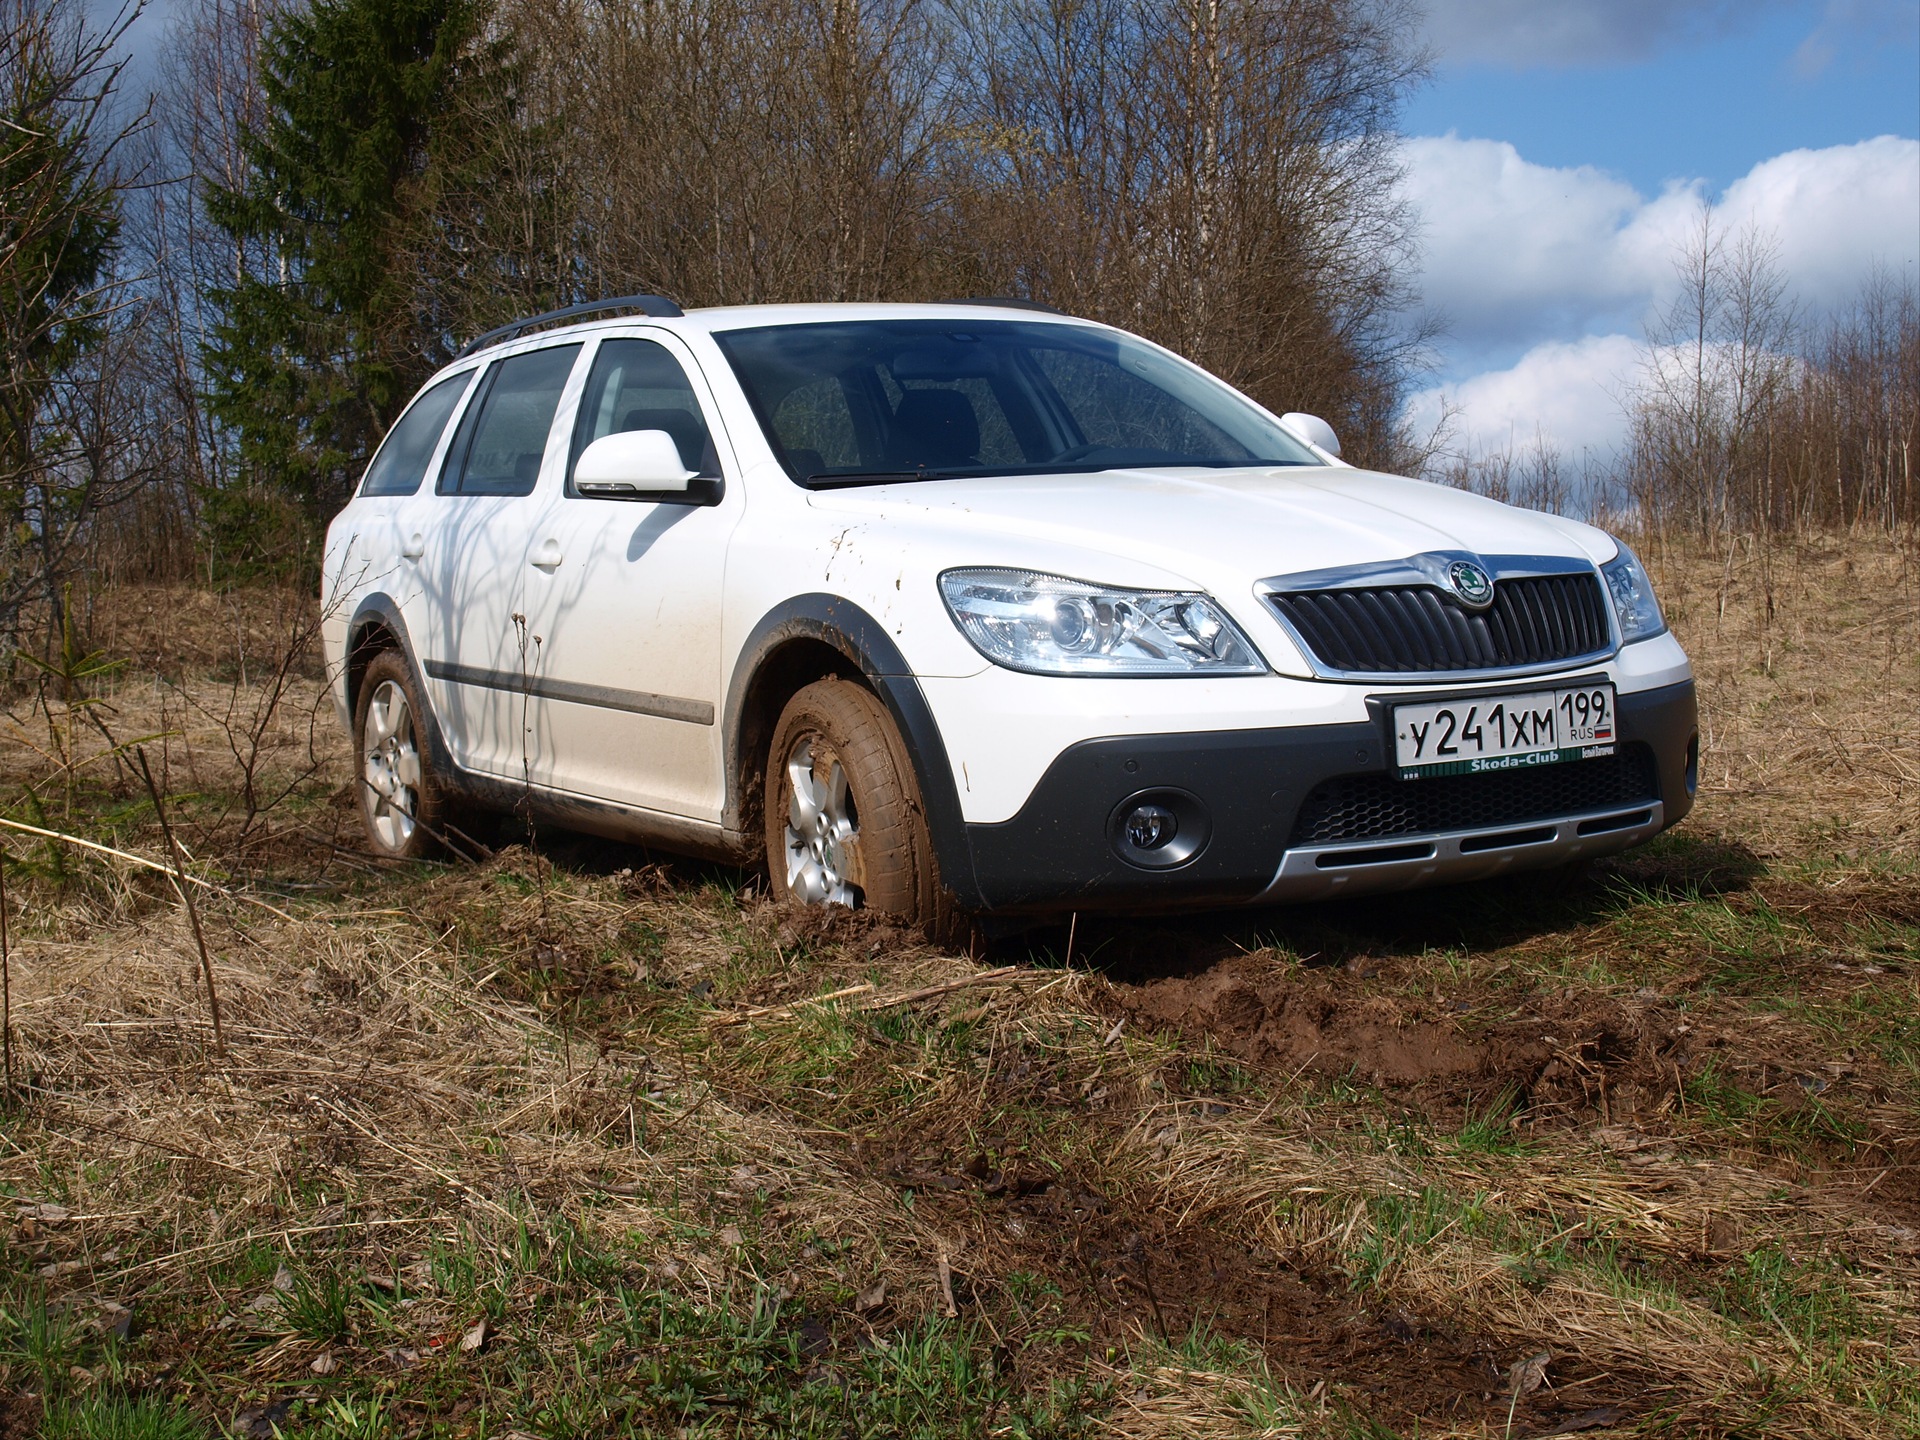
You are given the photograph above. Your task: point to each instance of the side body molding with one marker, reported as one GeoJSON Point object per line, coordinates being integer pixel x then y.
{"type": "Point", "coordinates": [867, 647]}
{"type": "Point", "coordinates": [822, 619]}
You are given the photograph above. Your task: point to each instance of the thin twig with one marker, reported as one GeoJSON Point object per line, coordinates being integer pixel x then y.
{"type": "Point", "coordinates": [186, 899]}
{"type": "Point", "coordinates": [95, 845]}
{"type": "Point", "coordinates": [173, 1150]}
{"type": "Point", "coordinates": [65, 839]}
{"type": "Point", "coordinates": [913, 997]}
{"type": "Point", "coordinates": [757, 1012]}
{"type": "Point", "coordinates": [6, 982]}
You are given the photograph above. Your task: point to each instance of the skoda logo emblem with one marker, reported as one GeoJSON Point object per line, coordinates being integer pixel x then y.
{"type": "Point", "coordinates": [1472, 584]}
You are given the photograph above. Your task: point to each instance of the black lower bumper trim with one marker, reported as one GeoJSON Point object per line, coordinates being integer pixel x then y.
{"type": "Point", "coordinates": [1057, 853]}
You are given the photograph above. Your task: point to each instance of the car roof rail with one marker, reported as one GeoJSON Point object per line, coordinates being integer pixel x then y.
{"type": "Point", "coordinates": [657, 306]}
{"type": "Point", "coordinates": [1010, 302]}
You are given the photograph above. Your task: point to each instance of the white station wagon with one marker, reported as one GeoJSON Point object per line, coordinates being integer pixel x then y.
{"type": "Point", "coordinates": [974, 608]}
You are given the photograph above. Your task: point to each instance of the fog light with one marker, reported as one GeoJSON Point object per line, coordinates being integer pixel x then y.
{"type": "Point", "coordinates": [1159, 829]}
{"type": "Point", "coordinates": [1150, 827]}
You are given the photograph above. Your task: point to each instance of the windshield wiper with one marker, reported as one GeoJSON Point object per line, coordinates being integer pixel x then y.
{"type": "Point", "coordinates": [834, 479]}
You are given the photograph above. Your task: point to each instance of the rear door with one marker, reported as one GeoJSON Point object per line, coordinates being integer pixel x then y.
{"type": "Point", "coordinates": [476, 648]}
{"type": "Point", "coordinates": [623, 598]}
{"type": "Point", "coordinates": [389, 513]}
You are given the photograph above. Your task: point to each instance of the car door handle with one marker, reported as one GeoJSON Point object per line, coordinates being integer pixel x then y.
{"type": "Point", "coordinates": [414, 547]}
{"type": "Point", "coordinates": [546, 555]}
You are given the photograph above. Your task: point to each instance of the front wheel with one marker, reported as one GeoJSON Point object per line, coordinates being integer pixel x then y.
{"type": "Point", "coordinates": [844, 822]}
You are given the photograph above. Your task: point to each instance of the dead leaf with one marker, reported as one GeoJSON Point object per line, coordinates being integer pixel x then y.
{"type": "Point", "coordinates": [59, 1268]}
{"type": "Point", "coordinates": [1588, 1420]}
{"type": "Point", "coordinates": [283, 1280]}
{"type": "Point", "coordinates": [475, 1339]}
{"type": "Point", "coordinates": [1528, 1375]}
{"type": "Point", "coordinates": [261, 1422]}
{"type": "Point", "coordinates": [324, 1363]}
{"type": "Point", "coordinates": [115, 1319]}
{"type": "Point", "coordinates": [48, 1212]}
{"type": "Point", "coordinates": [947, 1307]}
{"type": "Point", "coordinates": [731, 1236]}
{"type": "Point", "coordinates": [871, 1299]}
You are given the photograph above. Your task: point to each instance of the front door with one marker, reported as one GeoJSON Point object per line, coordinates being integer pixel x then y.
{"type": "Point", "coordinates": [622, 601]}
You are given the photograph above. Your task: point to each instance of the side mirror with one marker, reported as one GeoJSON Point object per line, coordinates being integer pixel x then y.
{"type": "Point", "coordinates": [1313, 430]}
{"type": "Point", "coordinates": [631, 462]}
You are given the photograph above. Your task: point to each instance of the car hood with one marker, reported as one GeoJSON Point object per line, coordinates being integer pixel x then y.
{"type": "Point", "coordinates": [1220, 530]}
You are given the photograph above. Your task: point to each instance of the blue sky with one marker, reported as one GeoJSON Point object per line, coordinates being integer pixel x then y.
{"type": "Point", "coordinates": [1565, 147]}
{"type": "Point", "coordinates": [1702, 100]}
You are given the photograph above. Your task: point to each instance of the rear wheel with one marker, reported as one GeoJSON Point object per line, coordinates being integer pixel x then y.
{"type": "Point", "coordinates": [402, 800]}
{"type": "Point", "coordinates": [844, 822]}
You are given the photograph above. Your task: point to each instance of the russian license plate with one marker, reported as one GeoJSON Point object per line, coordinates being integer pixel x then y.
{"type": "Point", "coordinates": [1477, 735]}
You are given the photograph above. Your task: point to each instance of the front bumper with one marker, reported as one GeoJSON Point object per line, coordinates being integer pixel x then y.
{"type": "Point", "coordinates": [1261, 798]}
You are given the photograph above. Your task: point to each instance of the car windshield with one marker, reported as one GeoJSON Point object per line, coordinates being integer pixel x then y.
{"type": "Point", "coordinates": [876, 401]}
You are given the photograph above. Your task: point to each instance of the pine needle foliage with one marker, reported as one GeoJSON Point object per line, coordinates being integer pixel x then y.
{"type": "Point", "coordinates": [363, 185]}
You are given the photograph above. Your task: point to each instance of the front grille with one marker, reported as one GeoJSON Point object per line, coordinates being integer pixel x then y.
{"type": "Point", "coordinates": [1419, 630]}
{"type": "Point", "coordinates": [1378, 807]}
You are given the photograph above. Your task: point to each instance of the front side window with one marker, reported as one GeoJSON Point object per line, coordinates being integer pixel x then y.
{"type": "Point", "coordinates": [638, 385]}
{"type": "Point", "coordinates": [503, 436]}
{"type": "Point", "coordinates": [401, 463]}
{"type": "Point", "coordinates": [865, 402]}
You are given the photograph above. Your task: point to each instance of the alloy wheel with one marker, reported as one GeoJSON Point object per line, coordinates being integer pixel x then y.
{"type": "Point", "coordinates": [822, 830]}
{"type": "Point", "coordinates": [392, 766]}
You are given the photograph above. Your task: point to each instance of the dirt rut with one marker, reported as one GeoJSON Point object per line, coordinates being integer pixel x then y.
{"type": "Point", "coordinates": [1550, 1051]}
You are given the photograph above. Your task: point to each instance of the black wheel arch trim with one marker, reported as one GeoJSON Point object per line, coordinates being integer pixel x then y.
{"type": "Point", "coordinates": [384, 611]}
{"type": "Point", "coordinates": [845, 627]}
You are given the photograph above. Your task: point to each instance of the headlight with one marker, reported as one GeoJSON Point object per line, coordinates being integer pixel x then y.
{"type": "Point", "coordinates": [1633, 602]}
{"type": "Point", "coordinates": [1047, 625]}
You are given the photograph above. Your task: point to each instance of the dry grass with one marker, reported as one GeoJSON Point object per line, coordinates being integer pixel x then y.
{"type": "Point", "coordinates": [699, 1165]}
{"type": "Point", "coordinates": [1808, 666]}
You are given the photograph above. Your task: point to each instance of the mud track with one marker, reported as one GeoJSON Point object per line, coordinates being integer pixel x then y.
{"type": "Point", "coordinates": [1561, 1055]}
{"type": "Point", "coordinates": [1126, 1268]}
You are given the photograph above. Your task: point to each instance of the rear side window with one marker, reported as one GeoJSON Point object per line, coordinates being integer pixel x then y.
{"type": "Point", "coordinates": [638, 385]}
{"type": "Point", "coordinates": [504, 435]}
{"type": "Point", "coordinates": [401, 463]}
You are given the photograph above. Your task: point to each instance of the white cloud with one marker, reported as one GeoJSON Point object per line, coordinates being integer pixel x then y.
{"type": "Point", "coordinates": [1579, 32]}
{"type": "Point", "coordinates": [1518, 253]}
{"type": "Point", "coordinates": [1513, 250]}
{"type": "Point", "coordinates": [1833, 213]}
{"type": "Point", "coordinates": [1567, 393]}
{"type": "Point", "coordinates": [1548, 277]}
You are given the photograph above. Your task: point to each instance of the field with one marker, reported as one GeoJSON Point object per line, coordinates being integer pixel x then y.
{"type": "Point", "coordinates": [580, 1141]}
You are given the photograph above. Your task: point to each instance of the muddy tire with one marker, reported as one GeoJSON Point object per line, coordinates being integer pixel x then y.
{"type": "Point", "coordinates": [403, 802]}
{"type": "Point", "coordinates": [844, 820]}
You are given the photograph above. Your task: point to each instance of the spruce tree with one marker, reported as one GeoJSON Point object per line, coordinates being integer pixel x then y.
{"type": "Point", "coordinates": [382, 115]}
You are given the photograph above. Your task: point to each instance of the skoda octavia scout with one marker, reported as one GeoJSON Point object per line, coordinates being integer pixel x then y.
{"type": "Point", "coordinates": [974, 608]}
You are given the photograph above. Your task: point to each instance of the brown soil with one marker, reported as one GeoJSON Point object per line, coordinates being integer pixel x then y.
{"type": "Point", "coordinates": [19, 1417]}
{"type": "Point", "coordinates": [1560, 1054]}
{"type": "Point", "coordinates": [1127, 1270]}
